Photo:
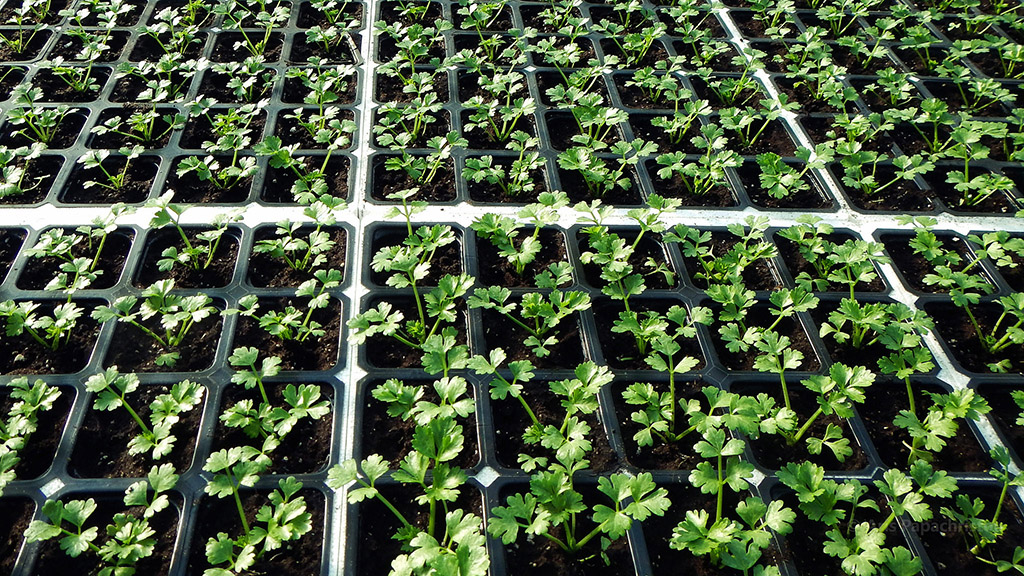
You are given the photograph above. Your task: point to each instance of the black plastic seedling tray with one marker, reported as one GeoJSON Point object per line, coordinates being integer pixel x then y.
{"type": "Point", "coordinates": [351, 539]}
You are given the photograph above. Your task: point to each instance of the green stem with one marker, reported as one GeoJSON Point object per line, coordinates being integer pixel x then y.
{"type": "Point", "coordinates": [803, 429]}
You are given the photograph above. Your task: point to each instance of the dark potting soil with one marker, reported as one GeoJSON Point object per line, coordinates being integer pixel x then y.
{"type": "Point", "coordinates": [510, 420]}
{"type": "Point", "coordinates": [101, 442]}
{"type": "Point", "coordinates": [217, 274]}
{"type": "Point", "coordinates": [674, 187]}
{"type": "Point", "coordinates": [1005, 413]}
{"type": "Point", "coordinates": [656, 53]}
{"type": "Point", "coordinates": [867, 355]}
{"type": "Point", "coordinates": [389, 88]}
{"type": "Point", "coordinates": [55, 562]}
{"type": "Point", "coordinates": [132, 350]}
{"type": "Point", "coordinates": [440, 126]}
{"type": "Point", "coordinates": [644, 129]}
{"type": "Point", "coordinates": [542, 557]}
{"type": "Point", "coordinates": [23, 355]}
{"type": "Point", "coordinates": [228, 46]}
{"type": "Point", "coordinates": [56, 90]}
{"type": "Point", "coordinates": [300, 557]}
{"type": "Point", "coordinates": [391, 437]}
{"type": "Point", "coordinates": [295, 92]}
{"type": "Point", "coordinates": [377, 526]}
{"type": "Point", "coordinates": [40, 175]}
{"type": "Point", "coordinates": [64, 137]}
{"type": "Point", "coordinates": [200, 129]}
{"type": "Point", "coordinates": [290, 131]}
{"type": "Point", "coordinates": [760, 275]}
{"type": "Point", "coordinates": [344, 51]}
{"type": "Point", "coordinates": [915, 267]}
{"type": "Point", "coordinates": [277, 187]}
{"type": "Point", "coordinates": [953, 324]}
{"type": "Point", "coordinates": [69, 47]}
{"type": "Point", "coordinates": [314, 353]}
{"type": "Point", "coordinates": [666, 561]}
{"type": "Point", "coordinates": [161, 133]}
{"type": "Point", "coordinates": [796, 263]}
{"type": "Point", "coordinates": [648, 248]}
{"type": "Point", "coordinates": [37, 272]}
{"type": "Point", "coordinates": [678, 455]}
{"type": "Point", "coordinates": [620, 348]}
{"type": "Point", "coordinates": [948, 543]}
{"type": "Point", "coordinates": [304, 450]}
{"type": "Point", "coordinates": [15, 517]}
{"type": "Point", "coordinates": [485, 192]}
{"type": "Point", "coordinates": [388, 352]}
{"type": "Point", "coordinates": [484, 138]}
{"type": "Point", "coordinates": [997, 203]}
{"type": "Point", "coordinates": [267, 271]}
{"type": "Point", "coordinates": [136, 188]}
{"type": "Point", "coordinates": [37, 458]}
{"type": "Point", "coordinates": [188, 188]}
{"type": "Point", "coordinates": [447, 259]}
{"type": "Point", "coordinates": [440, 189]}
{"type": "Point", "coordinates": [562, 127]}
{"type": "Point", "coordinates": [551, 78]}
{"type": "Point", "coordinates": [885, 400]}
{"type": "Point", "coordinates": [495, 270]}
{"type": "Point", "coordinates": [566, 353]}
{"type": "Point", "coordinates": [30, 50]}
{"type": "Point", "coordinates": [807, 199]}
{"type": "Point", "coordinates": [773, 452]}
{"type": "Point", "coordinates": [310, 16]}
{"type": "Point", "coordinates": [147, 48]}
{"type": "Point", "coordinates": [761, 316]}
{"type": "Point", "coordinates": [215, 85]}
{"type": "Point", "coordinates": [576, 188]}
{"type": "Point", "coordinates": [11, 240]}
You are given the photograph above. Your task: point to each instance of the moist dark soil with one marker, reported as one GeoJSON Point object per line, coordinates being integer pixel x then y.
{"type": "Point", "coordinates": [634, 97]}
{"type": "Point", "coordinates": [64, 137]}
{"type": "Point", "coordinates": [23, 355]}
{"type": "Point", "coordinates": [760, 275]}
{"type": "Point", "coordinates": [101, 443]}
{"type": "Point", "coordinates": [802, 95]}
{"type": "Point", "coordinates": [37, 272]}
{"type": "Point", "coordinates": [547, 80]}
{"type": "Point", "coordinates": [511, 420]}
{"type": "Point", "coordinates": [678, 455]}
{"type": "Point", "coordinates": [136, 188]}
{"type": "Point", "coordinates": [200, 130]}
{"type": "Point", "coordinates": [915, 267]}
{"type": "Point", "coordinates": [656, 53]}
{"type": "Point", "coordinates": [291, 132]}
{"type": "Point", "coordinates": [389, 88]}
{"type": "Point", "coordinates": [542, 557]}
{"type": "Point", "coordinates": [147, 48]}
{"type": "Point", "coordinates": [562, 127]}
{"type": "Point", "coordinates": [215, 85]}
{"type": "Point", "coordinates": [648, 248]}
{"type": "Point", "coordinates": [903, 196]}
{"type": "Point", "coordinates": [313, 353]}
{"type": "Point", "coordinates": [886, 399]}
{"type": "Point", "coordinates": [658, 532]}
{"type": "Point", "coordinates": [30, 50]}
{"type": "Point", "coordinates": [55, 562]}
{"type": "Point", "coordinates": [55, 89]}
{"type": "Point", "coordinates": [376, 526]}
{"type": "Point", "coordinates": [948, 544]}
{"type": "Point", "coordinates": [998, 203]}
{"type": "Point", "coordinates": [760, 315]}
{"type": "Point", "coordinates": [619, 348]}
{"type": "Point", "coordinates": [39, 177]}
{"type": "Point", "coordinates": [808, 199]}
{"type": "Point", "coordinates": [573, 184]}
{"type": "Point", "coordinates": [644, 129]}
{"type": "Point", "coordinates": [388, 352]}
{"type": "Point", "coordinates": [717, 197]}
{"type": "Point", "coordinates": [440, 126]}
{"type": "Point", "coordinates": [15, 516]}
{"type": "Point", "coordinates": [953, 325]}
{"type": "Point", "coordinates": [485, 192]}
{"type": "Point", "coordinates": [531, 14]}
{"type": "Point", "coordinates": [300, 557]}
{"type": "Point", "coordinates": [446, 260]}
{"type": "Point", "coordinates": [566, 353]}
{"type": "Point", "coordinates": [217, 274]}
{"type": "Point", "coordinates": [391, 437]}
{"type": "Point", "coordinates": [277, 188]}
{"type": "Point", "coordinates": [132, 350]}
{"type": "Point", "coordinates": [484, 138]}
{"type": "Point", "coordinates": [38, 455]}
{"type": "Point", "coordinates": [10, 76]}
{"type": "Point", "coordinates": [69, 47]}
{"type": "Point", "coordinates": [774, 138]}
{"type": "Point", "coordinates": [1005, 413]}
{"type": "Point", "coordinates": [304, 450]}
{"type": "Point", "coordinates": [749, 96]}
{"type": "Point", "coordinates": [803, 547]}
{"type": "Point", "coordinates": [495, 269]}
{"type": "Point", "coordinates": [440, 189]}
{"type": "Point", "coordinates": [341, 53]}
{"type": "Point", "coordinates": [160, 131]}
{"type": "Point", "coordinates": [295, 93]}
{"type": "Point", "coordinates": [225, 50]}
{"type": "Point", "coordinates": [267, 271]}
{"type": "Point", "coordinates": [867, 355]}
{"type": "Point", "coordinates": [309, 16]}
{"type": "Point", "coordinates": [797, 264]}
{"type": "Point", "coordinates": [11, 240]}
{"type": "Point", "coordinates": [189, 188]}
{"type": "Point", "coordinates": [773, 452]}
